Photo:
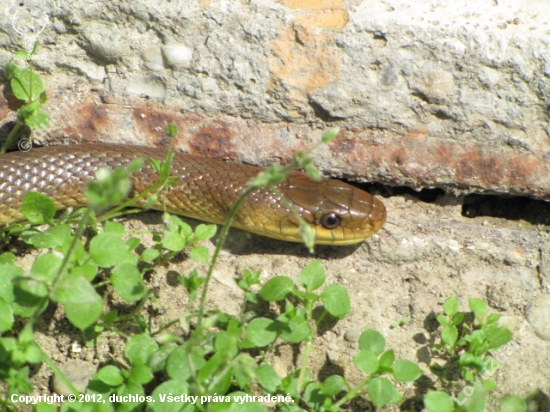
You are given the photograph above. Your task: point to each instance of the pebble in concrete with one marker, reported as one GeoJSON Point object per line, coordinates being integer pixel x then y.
{"type": "Point", "coordinates": [77, 372]}
{"type": "Point", "coordinates": [152, 58]}
{"type": "Point", "coordinates": [538, 315]}
{"type": "Point", "coordinates": [352, 335]}
{"type": "Point", "coordinates": [177, 55]}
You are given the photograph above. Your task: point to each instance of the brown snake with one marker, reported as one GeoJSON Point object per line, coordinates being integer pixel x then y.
{"type": "Point", "coordinates": [339, 214]}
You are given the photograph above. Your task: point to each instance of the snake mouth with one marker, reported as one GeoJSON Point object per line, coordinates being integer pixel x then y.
{"type": "Point", "coordinates": [351, 231]}
{"type": "Point", "coordinates": [337, 213]}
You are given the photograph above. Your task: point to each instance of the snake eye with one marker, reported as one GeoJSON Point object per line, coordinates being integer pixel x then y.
{"type": "Point", "coordinates": [330, 221]}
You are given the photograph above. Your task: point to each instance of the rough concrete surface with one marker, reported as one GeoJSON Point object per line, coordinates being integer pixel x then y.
{"type": "Point", "coordinates": [429, 94]}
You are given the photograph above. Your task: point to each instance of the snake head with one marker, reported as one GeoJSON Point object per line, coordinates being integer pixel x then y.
{"type": "Point", "coordinates": [338, 213]}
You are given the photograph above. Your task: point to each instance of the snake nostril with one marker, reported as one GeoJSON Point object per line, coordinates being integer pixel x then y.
{"type": "Point", "coordinates": [330, 221]}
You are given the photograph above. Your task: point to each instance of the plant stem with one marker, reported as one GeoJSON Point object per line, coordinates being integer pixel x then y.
{"type": "Point", "coordinates": [305, 361]}
{"type": "Point", "coordinates": [219, 244]}
{"type": "Point", "coordinates": [353, 393]}
{"type": "Point", "coordinates": [11, 136]}
{"type": "Point", "coordinates": [113, 212]}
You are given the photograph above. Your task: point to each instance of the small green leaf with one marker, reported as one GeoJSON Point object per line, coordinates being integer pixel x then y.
{"type": "Point", "coordinates": [204, 232]}
{"type": "Point", "coordinates": [366, 361]}
{"type": "Point", "coordinates": [450, 307]}
{"type": "Point", "coordinates": [400, 322]}
{"type": "Point", "coordinates": [372, 340]}
{"type": "Point", "coordinates": [38, 119]}
{"type": "Point", "coordinates": [6, 316]}
{"type": "Point", "coordinates": [53, 237]}
{"type": "Point", "coordinates": [497, 336]}
{"type": "Point", "coordinates": [45, 407]}
{"type": "Point", "coordinates": [170, 387]}
{"type": "Point", "coordinates": [477, 402]}
{"type": "Point", "coordinates": [149, 254]}
{"type": "Point", "coordinates": [313, 397]}
{"type": "Point", "coordinates": [245, 369]}
{"type": "Point", "coordinates": [177, 364]}
{"type": "Point", "coordinates": [156, 165]}
{"type": "Point", "coordinates": [272, 175]}
{"type": "Point", "coordinates": [27, 110]}
{"type": "Point", "coordinates": [133, 392]}
{"type": "Point", "coordinates": [21, 85]}
{"type": "Point", "coordinates": [135, 165]}
{"type": "Point", "coordinates": [31, 288]}
{"type": "Point", "coordinates": [7, 257]}
{"type": "Point", "coordinates": [9, 272]}
{"type": "Point", "coordinates": [333, 385]}
{"type": "Point", "coordinates": [489, 384]}
{"type": "Point", "coordinates": [173, 241]}
{"type": "Point", "coordinates": [45, 267]}
{"type": "Point", "coordinates": [438, 402]}
{"type": "Point", "coordinates": [106, 249]}
{"type": "Point", "coordinates": [493, 318]}
{"type": "Point", "coordinates": [336, 300]}
{"type": "Point", "coordinates": [213, 365]}
{"type": "Point", "coordinates": [442, 319]}
{"type": "Point", "coordinates": [83, 305]}
{"type": "Point", "coordinates": [27, 295]}
{"type": "Point", "coordinates": [477, 306]}
{"type": "Point", "coordinates": [192, 283]}
{"type": "Point", "coordinates": [133, 243]}
{"type": "Point", "coordinates": [406, 371]}
{"type": "Point", "coordinates": [468, 375]}
{"type": "Point", "coordinates": [330, 134]}
{"type": "Point", "coordinates": [252, 278]}
{"type": "Point", "coordinates": [313, 172]}
{"type": "Point", "coordinates": [313, 275]}
{"type": "Point", "coordinates": [382, 392]}
{"type": "Point", "coordinates": [34, 48]}
{"type": "Point", "coordinates": [171, 129]}
{"type": "Point", "coordinates": [268, 378]}
{"type": "Point", "coordinates": [449, 335]}
{"type": "Point", "coordinates": [33, 354]}
{"type": "Point", "coordinates": [512, 403]}
{"type": "Point", "coordinates": [43, 97]}
{"type": "Point", "coordinates": [88, 271]}
{"type": "Point", "coordinates": [11, 70]}
{"type": "Point", "coordinates": [261, 332]}
{"type": "Point", "coordinates": [308, 235]}
{"type": "Point", "coordinates": [457, 319]}
{"type": "Point", "coordinates": [127, 281]}
{"type": "Point", "coordinates": [138, 348]}
{"type": "Point", "coordinates": [114, 227]}
{"type": "Point", "coordinates": [200, 254]}
{"type": "Point", "coordinates": [386, 359]}
{"type": "Point", "coordinates": [276, 288]}
{"type": "Point", "coordinates": [110, 187]}
{"type": "Point", "coordinates": [157, 360]}
{"type": "Point", "coordinates": [141, 374]}
{"type": "Point", "coordinates": [299, 329]}
{"type": "Point", "coordinates": [110, 375]}
{"type": "Point", "coordinates": [37, 208]}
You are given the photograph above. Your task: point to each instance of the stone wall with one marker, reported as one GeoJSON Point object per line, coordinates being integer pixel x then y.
{"type": "Point", "coordinates": [440, 94]}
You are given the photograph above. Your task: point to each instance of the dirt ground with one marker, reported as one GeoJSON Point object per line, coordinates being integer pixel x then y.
{"type": "Point", "coordinates": [427, 251]}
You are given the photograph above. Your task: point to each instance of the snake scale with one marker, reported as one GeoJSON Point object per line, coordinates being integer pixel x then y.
{"type": "Point", "coordinates": [339, 213]}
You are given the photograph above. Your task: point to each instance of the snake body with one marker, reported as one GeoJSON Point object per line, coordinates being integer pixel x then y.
{"type": "Point", "coordinates": [339, 213]}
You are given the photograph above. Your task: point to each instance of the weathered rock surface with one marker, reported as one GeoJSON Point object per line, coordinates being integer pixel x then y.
{"type": "Point", "coordinates": [449, 95]}
{"type": "Point", "coordinates": [428, 94]}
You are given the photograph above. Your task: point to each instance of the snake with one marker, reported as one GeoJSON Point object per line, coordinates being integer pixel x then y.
{"type": "Point", "coordinates": [204, 189]}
